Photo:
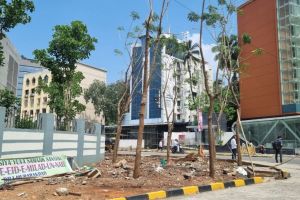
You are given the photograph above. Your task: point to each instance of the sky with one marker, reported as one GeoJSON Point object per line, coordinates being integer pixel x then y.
{"type": "Point", "coordinates": [102, 18]}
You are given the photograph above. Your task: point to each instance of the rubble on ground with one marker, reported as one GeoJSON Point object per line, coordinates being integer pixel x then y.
{"type": "Point", "coordinates": [101, 180]}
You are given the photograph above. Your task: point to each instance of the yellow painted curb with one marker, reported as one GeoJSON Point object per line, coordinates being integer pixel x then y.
{"type": "Point", "coordinates": [190, 190]}
{"type": "Point", "coordinates": [217, 186]}
{"type": "Point", "coordinates": [239, 182]}
{"type": "Point", "coordinates": [157, 195]}
{"type": "Point", "coordinates": [258, 180]}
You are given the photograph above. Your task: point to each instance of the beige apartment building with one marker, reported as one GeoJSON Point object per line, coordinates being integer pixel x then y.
{"type": "Point", "coordinates": [34, 103]}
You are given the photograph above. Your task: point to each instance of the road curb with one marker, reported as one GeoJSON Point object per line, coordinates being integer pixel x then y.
{"type": "Point", "coordinates": [191, 190]}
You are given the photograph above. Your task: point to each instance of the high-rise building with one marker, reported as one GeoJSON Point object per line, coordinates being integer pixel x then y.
{"type": "Point", "coordinates": [9, 71]}
{"type": "Point", "coordinates": [270, 84]}
{"type": "Point", "coordinates": [34, 103]}
{"type": "Point", "coordinates": [170, 74]}
{"type": "Point", "coordinates": [26, 66]}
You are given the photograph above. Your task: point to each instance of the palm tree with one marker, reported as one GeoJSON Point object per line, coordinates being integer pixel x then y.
{"type": "Point", "coordinates": [190, 57]}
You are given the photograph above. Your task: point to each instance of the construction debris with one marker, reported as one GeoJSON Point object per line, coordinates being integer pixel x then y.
{"type": "Point", "coordinates": [191, 170]}
{"type": "Point", "coordinates": [226, 171]}
{"type": "Point", "coordinates": [22, 194]}
{"type": "Point", "coordinates": [190, 157]}
{"type": "Point", "coordinates": [62, 191]}
{"type": "Point", "coordinates": [241, 171]}
{"type": "Point", "coordinates": [121, 163]}
{"type": "Point", "coordinates": [95, 173]}
{"type": "Point", "coordinates": [189, 175]}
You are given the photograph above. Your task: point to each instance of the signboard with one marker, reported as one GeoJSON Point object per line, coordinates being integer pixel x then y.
{"type": "Point", "coordinates": [200, 121]}
{"type": "Point", "coordinates": [18, 168]}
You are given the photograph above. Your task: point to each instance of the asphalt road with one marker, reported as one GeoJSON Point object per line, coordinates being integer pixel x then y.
{"type": "Point", "coordinates": [272, 189]}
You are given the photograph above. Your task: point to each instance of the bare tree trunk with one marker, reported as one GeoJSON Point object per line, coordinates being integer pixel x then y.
{"type": "Point", "coordinates": [170, 129]}
{"type": "Point", "coordinates": [146, 81]}
{"type": "Point", "coordinates": [211, 140]}
{"type": "Point", "coordinates": [117, 141]}
{"type": "Point", "coordinates": [212, 151]}
{"type": "Point", "coordinates": [136, 172]}
{"type": "Point", "coordinates": [238, 128]}
{"type": "Point", "coordinates": [122, 108]}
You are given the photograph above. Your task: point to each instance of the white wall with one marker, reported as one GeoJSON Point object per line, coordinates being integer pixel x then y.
{"type": "Point", "coordinates": [64, 142]}
{"type": "Point", "coordinates": [16, 143]}
{"type": "Point", "coordinates": [129, 143]}
{"type": "Point", "coordinates": [189, 137]}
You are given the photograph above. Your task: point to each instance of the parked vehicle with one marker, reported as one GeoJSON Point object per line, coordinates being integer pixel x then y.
{"type": "Point", "coordinates": [174, 149]}
{"type": "Point", "coordinates": [109, 144]}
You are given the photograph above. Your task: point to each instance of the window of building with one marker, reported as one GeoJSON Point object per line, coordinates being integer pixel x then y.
{"type": "Point", "coordinates": [178, 117]}
{"type": "Point", "coordinates": [46, 79]}
{"type": "Point", "coordinates": [31, 112]}
{"type": "Point", "coordinates": [33, 81]}
{"type": "Point", "coordinates": [25, 113]}
{"type": "Point", "coordinates": [296, 96]}
{"type": "Point", "coordinates": [178, 90]}
{"type": "Point", "coordinates": [37, 112]}
{"type": "Point", "coordinates": [26, 92]}
{"type": "Point", "coordinates": [25, 102]}
{"type": "Point", "coordinates": [294, 51]}
{"type": "Point", "coordinates": [44, 100]}
{"type": "Point", "coordinates": [38, 101]}
{"type": "Point", "coordinates": [295, 86]}
{"type": "Point", "coordinates": [33, 91]}
{"type": "Point", "coordinates": [31, 101]}
{"type": "Point", "coordinates": [178, 67]}
{"type": "Point", "coordinates": [178, 103]}
{"type": "Point", "coordinates": [27, 82]}
{"type": "Point", "coordinates": [44, 110]}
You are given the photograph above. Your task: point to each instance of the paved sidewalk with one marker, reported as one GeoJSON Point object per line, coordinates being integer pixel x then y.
{"type": "Point", "coordinates": [275, 190]}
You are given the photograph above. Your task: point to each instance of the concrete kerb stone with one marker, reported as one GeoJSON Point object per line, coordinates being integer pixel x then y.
{"type": "Point", "coordinates": [191, 190]}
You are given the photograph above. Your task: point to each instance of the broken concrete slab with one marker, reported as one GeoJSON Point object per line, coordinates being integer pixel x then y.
{"type": "Point", "coordinates": [95, 173]}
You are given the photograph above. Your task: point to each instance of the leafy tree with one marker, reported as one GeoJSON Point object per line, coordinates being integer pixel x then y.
{"type": "Point", "coordinates": [70, 44]}
{"type": "Point", "coordinates": [213, 17]}
{"type": "Point", "coordinates": [228, 49]}
{"type": "Point", "coordinates": [105, 99]}
{"type": "Point", "coordinates": [12, 13]}
{"type": "Point", "coordinates": [7, 99]}
{"type": "Point", "coordinates": [25, 122]}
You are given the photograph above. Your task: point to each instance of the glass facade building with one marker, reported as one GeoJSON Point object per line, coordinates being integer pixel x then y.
{"type": "Point", "coordinates": [270, 86]}
{"type": "Point", "coordinates": [153, 104]}
{"type": "Point", "coordinates": [265, 131]}
{"type": "Point", "coordinates": [136, 81]}
{"type": "Point", "coordinates": [288, 21]}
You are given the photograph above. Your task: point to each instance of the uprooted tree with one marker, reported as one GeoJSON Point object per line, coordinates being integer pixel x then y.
{"type": "Point", "coordinates": [70, 44]}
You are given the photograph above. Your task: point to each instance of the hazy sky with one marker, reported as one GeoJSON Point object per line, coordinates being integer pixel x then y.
{"type": "Point", "coordinates": [102, 18]}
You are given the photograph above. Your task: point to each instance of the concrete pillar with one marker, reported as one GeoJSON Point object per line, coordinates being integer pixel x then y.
{"type": "Point", "coordinates": [98, 131]}
{"type": "Point", "coordinates": [48, 128]}
{"type": "Point", "coordinates": [80, 125]}
{"type": "Point", "coordinates": [2, 126]}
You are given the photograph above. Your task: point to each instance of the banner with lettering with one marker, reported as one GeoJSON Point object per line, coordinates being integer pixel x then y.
{"type": "Point", "coordinates": [19, 168]}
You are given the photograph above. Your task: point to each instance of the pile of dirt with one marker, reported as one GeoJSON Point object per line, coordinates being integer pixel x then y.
{"type": "Point", "coordinates": [115, 180]}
